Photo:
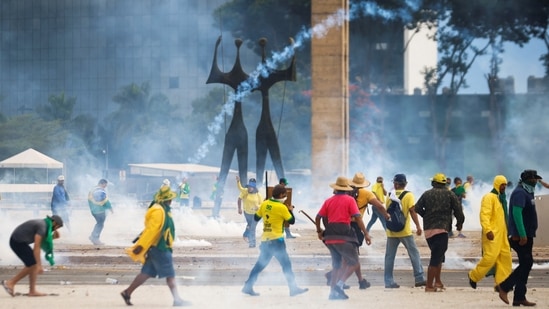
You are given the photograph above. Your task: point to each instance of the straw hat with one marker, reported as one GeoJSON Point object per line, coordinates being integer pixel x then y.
{"type": "Point", "coordinates": [164, 194]}
{"type": "Point", "coordinates": [341, 184]}
{"type": "Point", "coordinates": [359, 181]}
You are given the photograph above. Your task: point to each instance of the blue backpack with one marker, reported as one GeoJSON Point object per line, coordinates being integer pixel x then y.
{"type": "Point", "coordinates": [398, 219]}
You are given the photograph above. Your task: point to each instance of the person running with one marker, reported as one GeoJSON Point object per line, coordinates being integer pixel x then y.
{"type": "Point", "coordinates": [41, 233]}
{"type": "Point", "coordinates": [379, 190]}
{"type": "Point", "coordinates": [99, 204]}
{"type": "Point", "coordinates": [274, 213]}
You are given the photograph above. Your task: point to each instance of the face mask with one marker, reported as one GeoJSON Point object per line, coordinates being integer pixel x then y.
{"type": "Point", "coordinates": [282, 200]}
{"type": "Point", "coordinates": [528, 186]}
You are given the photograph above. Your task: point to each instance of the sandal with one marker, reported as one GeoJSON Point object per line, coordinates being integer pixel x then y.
{"type": "Point", "coordinates": [432, 290]}
{"type": "Point", "coordinates": [126, 298]}
{"type": "Point", "coordinates": [441, 287]}
{"type": "Point", "coordinates": [7, 288]}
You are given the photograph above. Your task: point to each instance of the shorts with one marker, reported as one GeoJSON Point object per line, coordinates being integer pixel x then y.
{"type": "Point", "coordinates": [158, 264]}
{"type": "Point", "coordinates": [438, 244]}
{"type": "Point", "coordinates": [24, 252]}
{"type": "Point", "coordinates": [343, 251]}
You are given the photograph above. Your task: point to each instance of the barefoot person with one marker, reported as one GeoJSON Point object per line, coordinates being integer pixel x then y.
{"type": "Point", "coordinates": [41, 232]}
{"type": "Point", "coordinates": [153, 248]}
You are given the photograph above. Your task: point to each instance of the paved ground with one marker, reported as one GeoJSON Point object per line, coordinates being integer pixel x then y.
{"type": "Point", "coordinates": [212, 262]}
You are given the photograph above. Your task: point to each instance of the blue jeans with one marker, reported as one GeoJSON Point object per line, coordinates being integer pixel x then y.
{"type": "Point", "coordinates": [99, 224]}
{"type": "Point", "coordinates": [376, 215]}
{"type": "Point", "coordinates": [250, 228]}
{"type": "Point", "coordinates": [267, 250]}
{"type": "Point", "coordinates": [390, 254]}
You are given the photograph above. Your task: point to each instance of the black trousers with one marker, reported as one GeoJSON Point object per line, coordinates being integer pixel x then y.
{"type": "Point", "coordinates": [519, 276]}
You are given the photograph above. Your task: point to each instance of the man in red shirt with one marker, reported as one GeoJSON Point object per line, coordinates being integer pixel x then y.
{"type": "Point", "coordinates": [339, 237]}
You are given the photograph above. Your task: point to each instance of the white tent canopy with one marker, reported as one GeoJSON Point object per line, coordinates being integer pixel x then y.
{"type": "Point", "coordinates": [30, 158]}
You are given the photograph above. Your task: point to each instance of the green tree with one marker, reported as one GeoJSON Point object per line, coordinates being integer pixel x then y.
{"type": "Point", "coordinates": [59, 108]}
{"type": "Point", "coordinates": [466, 30]}
{"type": "Point", "coordinates": [19, 133]}
{"type": "Point", "coordinates": [143, 128]}
{"type": "Point", "coordinates": [80, 136]}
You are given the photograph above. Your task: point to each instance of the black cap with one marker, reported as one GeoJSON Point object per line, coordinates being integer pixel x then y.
{"type": "Point", "coordinates": [400, 178]}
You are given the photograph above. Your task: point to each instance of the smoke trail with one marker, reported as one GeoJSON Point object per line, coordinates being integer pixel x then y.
{"type": "Point", "coordinates": [317, 31]}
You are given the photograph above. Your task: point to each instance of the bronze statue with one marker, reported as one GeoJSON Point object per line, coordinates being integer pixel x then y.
{"type": "Point", "coordinates": [236, 138]}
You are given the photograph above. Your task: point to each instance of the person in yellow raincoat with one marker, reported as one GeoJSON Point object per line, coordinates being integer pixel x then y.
{"type": "Point", "coordinates": [496, 251]}
{"type": "Point", "coordinates": [153, 248]}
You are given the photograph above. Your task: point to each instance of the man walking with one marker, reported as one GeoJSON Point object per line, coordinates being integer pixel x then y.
{"type": "Point", "coordinates": [339, 236]}
{"type": "Point", "coordinates": [99, 204]}
{"type": "Point", "coordinates": [379, 190]}
{"type": "Point", "coordinates": [496, 251]}
{"type": "Point", "coordinates": [523, 223]}
{"type": "Point", "coordinates": [153, 248]}
{"type": "Point", "coordinates": [60, 201]}
{"type": "Point", "coordinates": [274, 213]}
{"type": "Point", "coordinates": [405, 236]}
{"type": "Point", "coordinates": [436, 206]}
{"type": "Point", "coordinates": [363, 197]}
{"type": "Point", "coordinates": [184, 193]}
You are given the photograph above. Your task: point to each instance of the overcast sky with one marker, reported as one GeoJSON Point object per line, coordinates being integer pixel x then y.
{"type": "Point", "coordinates": [517, 62]}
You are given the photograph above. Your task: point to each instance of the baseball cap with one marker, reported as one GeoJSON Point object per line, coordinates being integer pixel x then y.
{"type": "Point", "coordinates": [400, 178]}
{"type": "Point", "coordinates": [61, 177]}
{"type": "Point", "coordinates": [56, 219]}
{"type": "Point", "coordinates": [283, 181]}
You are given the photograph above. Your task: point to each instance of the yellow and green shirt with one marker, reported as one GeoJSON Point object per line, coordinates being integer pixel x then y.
{"type": "Point", "coordinates": [273, 213]}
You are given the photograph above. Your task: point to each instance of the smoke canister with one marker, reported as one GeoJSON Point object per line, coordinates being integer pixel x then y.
{"type": "Point", "coordinates": [111, 281]}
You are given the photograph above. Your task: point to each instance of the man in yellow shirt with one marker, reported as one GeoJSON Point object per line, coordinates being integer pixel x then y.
{"type": "Point", "coordinates": [274, 213]}
{"type": "Point", "coordinates": [379, 190]}
{"type": "Point", "coordinates": [251, 199]}
{"type": "Point", "coordinates": [406, 237]}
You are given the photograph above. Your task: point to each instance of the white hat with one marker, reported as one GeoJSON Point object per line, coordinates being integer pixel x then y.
{"type": "Point", "coordinates": [166, 182]}
{"type": "Point", "coordinates": [61, 177]}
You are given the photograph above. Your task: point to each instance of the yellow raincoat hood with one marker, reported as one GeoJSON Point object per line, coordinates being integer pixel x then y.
{"type": "Point", "coordinates": [498, 181]}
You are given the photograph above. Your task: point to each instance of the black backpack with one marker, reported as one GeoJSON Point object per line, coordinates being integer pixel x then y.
{"type": "Point", "coordinates": [354, 194]}
{"type": "Point", "coordinates": [398, 219]}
